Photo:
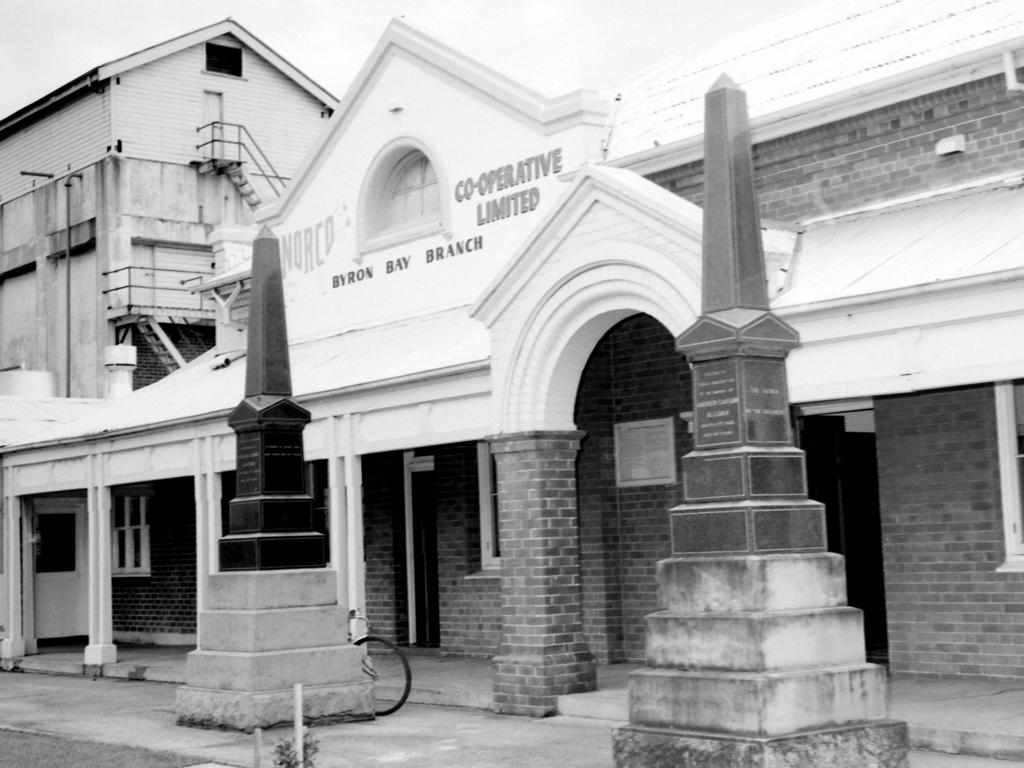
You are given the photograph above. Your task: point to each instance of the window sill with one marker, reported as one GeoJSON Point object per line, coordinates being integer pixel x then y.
{"type": "Point", "coordinates": [223, 74]}
{"type": "Point", "coordinates": [486, 573]}
{"type": "Point", "coordinates": [131, 575]}
{"type": "Point", "coordinates": [1012, 564]}
{"type": "Point", "coordinates": [391, 239]}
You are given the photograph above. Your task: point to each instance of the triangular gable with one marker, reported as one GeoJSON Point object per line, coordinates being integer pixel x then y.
{"type": "Point", "coordinates": [226, 27]}
{"type": "Point", "coordinates": [166, 48]}
{"type": "Point", "coordinates": [653, 207]}
{"type": "Point", "coordinates": [545, 114]}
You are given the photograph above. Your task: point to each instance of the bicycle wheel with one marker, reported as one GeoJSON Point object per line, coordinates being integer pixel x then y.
{"type": "Point", "coordinates": [387, 666]}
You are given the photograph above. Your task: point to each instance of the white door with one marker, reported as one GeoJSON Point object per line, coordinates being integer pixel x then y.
{"type": "Point", "coordinates": [61, 591]}
{"type": "Point", "coordinates": [213, 111]}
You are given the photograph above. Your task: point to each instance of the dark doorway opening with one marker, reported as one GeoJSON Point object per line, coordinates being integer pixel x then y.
{"type": "Point", "coordinates": [842, 473]}
{"type": "Point", "coordinates": [424, 530]}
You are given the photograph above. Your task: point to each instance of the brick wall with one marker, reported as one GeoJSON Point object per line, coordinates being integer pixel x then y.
{"type": "Point", "coordinates": [165, 601]}
{"type": "Point", "coordinates": [950, 613]}
{"type": "Point", "coordinates": [881, 154]}
{"type": "Point", "coordinates": [469, 599]}
{"type": "Point", "coordinates": [543, 652]}
{"type": "Point", "coordinates": [191, 342]}
{"type": "Point", "coordinates": [633, 374]}
{"type": "Point", "coordinates": [384, 545]}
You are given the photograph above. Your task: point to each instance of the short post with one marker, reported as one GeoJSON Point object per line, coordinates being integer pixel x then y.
{"type": "Point", "coordinates": [257, 748]}
{"type": "Point", "coordinates": [299, 745]}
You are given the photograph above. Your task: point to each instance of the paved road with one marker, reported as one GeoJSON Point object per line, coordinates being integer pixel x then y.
{"type": "Point", "coordinates": [142, 714]}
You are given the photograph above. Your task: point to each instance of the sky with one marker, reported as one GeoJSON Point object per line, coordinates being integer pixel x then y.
{"type": "Point", "coordinates": [575, 43]}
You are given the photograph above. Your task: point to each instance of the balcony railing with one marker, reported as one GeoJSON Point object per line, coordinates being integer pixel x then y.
{"type": "Point", "coordinates": [232, 142]}
{"type": "Point", "coordinates": [157, 291]}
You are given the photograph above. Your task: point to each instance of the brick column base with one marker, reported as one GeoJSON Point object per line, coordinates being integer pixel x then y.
{"type": "Point", "coordinates": [543, 654]}
{"type": "Point", "coordinates": [530, 685]}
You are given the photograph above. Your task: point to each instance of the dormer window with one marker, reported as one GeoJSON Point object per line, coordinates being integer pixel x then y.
{"type": "Point", "coordinates": [223, 59]}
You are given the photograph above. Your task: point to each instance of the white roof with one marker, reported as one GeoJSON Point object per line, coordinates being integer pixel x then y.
{"type": "Point", "coordinates": [976, 231]}
{"type": "Point", "coordinates": [165, 48]}
{"type": "Point", "coordinates": [22, 417]}
{"type": "Point", "coordinates": [827, 50]}
{"type": "Point", "coordinates": [213, 384]}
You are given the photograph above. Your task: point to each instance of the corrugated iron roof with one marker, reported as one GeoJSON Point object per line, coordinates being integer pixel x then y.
{"type": "Point", "coordinates": [969, 233]}
{"type": "Point", "coordinates": [827, 49]}
{"type": "Point", "coordinates": [214, 383]}
{"type": "Point", "coordinates": [22, 417]}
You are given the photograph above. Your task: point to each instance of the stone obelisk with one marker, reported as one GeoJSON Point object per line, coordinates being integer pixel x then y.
{"type": "Point", "coordinates": [270, 520]}
{"type": "Point", "coordinates": [272, 616]}
{"type": "Point", "coordinates": [756, 660]}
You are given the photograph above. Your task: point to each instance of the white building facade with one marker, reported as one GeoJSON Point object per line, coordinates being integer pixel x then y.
{"type": "Point", "coordinates": [482, 304]}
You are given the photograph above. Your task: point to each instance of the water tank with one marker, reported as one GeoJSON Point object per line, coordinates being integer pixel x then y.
{"type": "Point", "coordinates": [20, 383]}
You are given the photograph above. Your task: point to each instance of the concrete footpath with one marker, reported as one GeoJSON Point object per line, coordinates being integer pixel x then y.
{"type": "Point", "coordinates": [142, 714]}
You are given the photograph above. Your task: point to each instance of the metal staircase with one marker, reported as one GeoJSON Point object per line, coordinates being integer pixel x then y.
{"type": "Point", "coordinates": [227, 148]}
{"type": "Point", "coordinates": [158, 304]}
{"type": "Point", "coordinates": [236, 174]}
{"type": "Point", "coordinates": [158, 340]}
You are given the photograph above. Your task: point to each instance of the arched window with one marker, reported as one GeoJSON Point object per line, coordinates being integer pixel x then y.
{"type": "Point", "coordinates": [401, 198]}
{"type": "Point", "coordinates": [411, 194]}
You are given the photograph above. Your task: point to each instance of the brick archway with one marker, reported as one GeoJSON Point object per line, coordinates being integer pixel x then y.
{"type": "Point", "coordinates": [617, 246]}
{"type": "Point", "coordinates": [598, 288]}
{"type": "Point", "coordinates": [548, 340]}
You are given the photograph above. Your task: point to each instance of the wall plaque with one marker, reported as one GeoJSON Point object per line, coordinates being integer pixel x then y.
{"type": "Point", "coordinates": [765, 410]}
{"type": "Point", "coordinates": [645, 453]}
{"type": "Point", "coordinates": [716, 403]}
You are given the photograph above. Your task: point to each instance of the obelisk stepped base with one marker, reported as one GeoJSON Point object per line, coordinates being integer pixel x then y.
{"type": "Point", "coordinates": [874, 745]}
{"type": "Point", "coordinates": [255, 644]}
{"type": "Point", "coordinates": [756, 661]}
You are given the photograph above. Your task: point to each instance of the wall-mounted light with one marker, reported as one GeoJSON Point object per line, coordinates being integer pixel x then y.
{"type": "Point", "coordinates": [951, 145]}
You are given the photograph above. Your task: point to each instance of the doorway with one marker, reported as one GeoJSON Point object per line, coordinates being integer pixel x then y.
{"type": "Point", "coordinates": [842, 473]}
{"type": "Point", "coordinates": [60, 589]}
{"type": "Point", "coordinates": [213, 116]}
{"type": "Point", "coordinates": [421, 551]}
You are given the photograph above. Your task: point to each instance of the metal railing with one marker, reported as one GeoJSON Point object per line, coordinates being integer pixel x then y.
{"type": "Point", "coordinates": [138, 290]}
{"type": "Point", "coordinates": [232, 142]}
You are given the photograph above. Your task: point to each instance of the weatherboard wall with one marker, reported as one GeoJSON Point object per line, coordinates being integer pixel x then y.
{"type": "Point", "coordinates": [76, 135]}
{"type": "Point", "coordinates": [159, 105]}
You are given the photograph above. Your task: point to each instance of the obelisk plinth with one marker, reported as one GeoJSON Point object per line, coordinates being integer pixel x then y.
{"type": "Point", "coordinates": [272, 616]}
{"type": "Point", "coordinates": [755, 660]}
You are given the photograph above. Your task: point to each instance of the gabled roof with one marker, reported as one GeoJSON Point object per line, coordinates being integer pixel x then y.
{"type": "Point", "coordinates": [614, 185]}
{"type": "Point", "coordinates": [546, 113]}
{"type": "Point", "coordinates": [816, 65]}
{"type": "Point", "coordinates": [103, 72]}
{"type": "Point", "coordinates": [626, 190]}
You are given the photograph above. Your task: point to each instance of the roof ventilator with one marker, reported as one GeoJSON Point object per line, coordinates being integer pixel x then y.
{"type": "Point", "coordinates": [950, 145]}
